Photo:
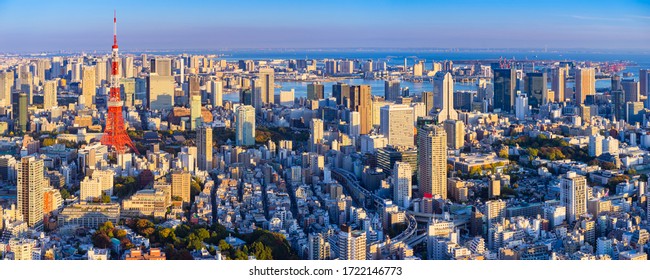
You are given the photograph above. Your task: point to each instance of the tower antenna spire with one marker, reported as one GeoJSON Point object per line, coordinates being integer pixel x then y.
{"type": "Point", "coordinates": [114, 29]}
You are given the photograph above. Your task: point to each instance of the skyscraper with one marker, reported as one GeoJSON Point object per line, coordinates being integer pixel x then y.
{"type": "Point", "coordinates": [536, 87]}
{"type": "Point", "coordinates": [443, 96]}
{"type": "Point", "coordinates": [573, 195]}
{"type": "Point", "coordinates": [193, 86]}
{"type": "Point", "coordinates": [505, 82]}
{"type": "Point", "coordinates": [455, 130]}
{"type": "Point", "coordinates": [195, 111]}
{"type": "Point", "coordinates": [559, 83]}
{"type": "Point", "coordinates": [264, 87]}
{"type": "Point", "coordinates": [127, 67]}
{"type": "Point", "coordinates": [361, 101]}
{"type": "Point", "coordinates": [427, 99]}
{"type": "Point", "coordinates": [160, 92]}
{"type": "Point", "coordinates": [341, 92]}
{"type": "Point", "coordinates": [204, 147]}
{"type": "Point", "coordinates": [392, 90]}
{"type": "Point", "coordinates": [316, 135]}
{"type": "Point", "coordinates": [402, 184]}
{"type": "Point", "coordinates": [315, 91]}
{"type": "Point", "coordinates": [161, 66]}
{"type": "Point", "coordinates": [127, 89]}
{"type": "Point", "coordinates": [217, 93]}
{"type": "Point", "coordinates": [355, 124]}
{"type": "Point", "coordinates": [88, 85]}
{"type": "Point", "coordinates": [331, 67]}
{"type": "Point", "coordinates": [631, 89]}
{"type": "Point", "coordinates": [521, 106]}
{"type": "Point", "coordinates": [432, 160]}
{"type": "Point", "coordinates": [6, 82]}
{"type": "Point", "coordinates": [245, 124]}
{"type": "Point", "coordinates": [49, 95]}
{"type": "Point", "coordinates": [20, 112]}
{"type": "Point", "coordinates": [30, 188]}
{"type": "Point", "coordinates": [397, 124]}
{"type": "Point", "coordinates": [644, 78]}
{"type": "Point", "coordinates": [585, 84]}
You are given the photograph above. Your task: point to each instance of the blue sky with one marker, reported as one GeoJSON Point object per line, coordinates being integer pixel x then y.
{"type": "Point", "coordinates": [189, 24]}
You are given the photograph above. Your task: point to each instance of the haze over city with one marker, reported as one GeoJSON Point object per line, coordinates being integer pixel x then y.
{"type": "Point", "coordinates": [341, 131]}
{"type": "Point", "coordinates": [208, 25]}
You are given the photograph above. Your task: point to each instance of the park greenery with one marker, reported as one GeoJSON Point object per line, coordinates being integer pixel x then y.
{"type": "Point", "coordinates": [546, 148]}
{"type": "Point", "coordinates": [179, 242]}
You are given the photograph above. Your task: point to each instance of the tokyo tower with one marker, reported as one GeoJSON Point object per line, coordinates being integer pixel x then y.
{"type": "Point", "coordinates": [115, 133]}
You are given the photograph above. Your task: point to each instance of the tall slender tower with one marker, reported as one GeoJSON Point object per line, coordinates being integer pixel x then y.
{"type": "Point", "coordinates": [115, 132]}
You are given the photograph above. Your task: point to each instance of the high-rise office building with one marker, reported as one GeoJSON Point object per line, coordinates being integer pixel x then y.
{"type": "Point", "coordinates": [20, 111]}
{"type": "Point", "coordinates": [160, 92]}
{"type": "Point", "coordinates": [397, 124]}
{"type": "Point", "coordinates": [573, 195]}
{"type": "Point", "coordinates": [316, 135]}
{"type": "Point", "coordinates": [193, 86]}
{"type": "Point", "coordinates": [204, 147]}
{"type": "Point", "coordinates": [361, 101]}
{"type": "Point", "coordinates": [521, 106]}
{"type": "Point", "coordinates": [127, 67]}
{"type": "Point", "coordinates": [631, 89]}
{"type": "Point", "coordinates": [618, 100]}
{"type": "Point", "coordinates": [195, 112]}
{"type": "Point", "coordinates": [559, 83]}
{"type": "Point", "coordinates": [127, 90]}
{"type": "Point", "coordinates": [181, 185]}
{"type": "Point", "coordinates": [89, 88]}
{"type": "Point", "coordinates": [161, 66]}
{"type": "Point", "coordinates": [392, 90]}
{"type": "Point", "coordinates": [354, 124]}
{"type": "Point", "coordinates": [455, 130]}
{"type": "Point", "coordinates": [418, 68]}
{"type": "Point", "coordinates": [245, 124]}
{"type": "Point", "coordinates": [6, 82]}
{"type": "Point", "coordinates": [427, 99]}
{"type": "Point", "coordinates": [634, 112]}
{"type": "Point", "coordinates": [432, 160]}
{"type": "Point", "coordinates": [585, 84]}
{"type": "Point", "coordinates": [30, 188]}
{"type": "Point", "coordinates": [505, 82]}
{"type": "Point", "coordinates": [341, 92]}
{"type": "Point", "coordinates": [644, 79]}
{"type": "Point", "coordinates": [49, 95]}
{"type": "Point", "coordinates": [331, 67]}
{"type": "Point", "coordinates": [264, 87]}
{"type": "Point", "coordinates": [402, 175]}
{"type": "Point", "coordinates": [443, 96]}
{"type": "Point", "coordinates": [347, 67]}
{"type": "Point", "coordinates": [315, 91]}
{"type": "Point", "coordinates": [217, 93]}
{"type": "Point", "coordinates": [535, 85]}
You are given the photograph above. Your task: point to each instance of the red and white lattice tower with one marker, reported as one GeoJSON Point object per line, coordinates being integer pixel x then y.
{"type": "Point", "coordinates": [115, 132]}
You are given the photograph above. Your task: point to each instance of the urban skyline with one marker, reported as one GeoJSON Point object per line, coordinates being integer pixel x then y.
{"type": "Point", "coordinates": [205, 156]}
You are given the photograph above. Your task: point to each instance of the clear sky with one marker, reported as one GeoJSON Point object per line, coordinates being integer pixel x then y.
{"type": "Point", "coordinates": [189, 24]}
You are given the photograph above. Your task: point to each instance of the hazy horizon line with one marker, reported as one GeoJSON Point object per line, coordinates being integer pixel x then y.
{"type": "Point", "coordinates": [351, 49]}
